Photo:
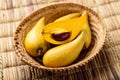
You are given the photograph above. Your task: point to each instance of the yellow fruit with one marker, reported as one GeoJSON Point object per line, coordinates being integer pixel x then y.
{"type": "Point", "coordinates": [34, 40]}
{"type": "Point", "coordinates": [85, 26]}
{"type": "Point", "coordinates": [65, 54]}
{"type": "Point", "coordinates": [74, 26]}
{"type": "Point", "coordinates": [68, 16]}
{"type": "Point", "coordinates": [87, 29]}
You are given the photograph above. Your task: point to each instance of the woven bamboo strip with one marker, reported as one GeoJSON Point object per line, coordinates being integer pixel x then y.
{"type": "Point", "coordinates": [104, 66]}
{"type": "Point", "coordinates": [2, 4]}
{"type": "Point", "coordinates": [107, 10]}
{"type": "Point", "coordinates": [8, 29]}
{"type": "Point", "coordinates": [105, 72]}
{"type": "Point", "coordinates": [6, 44]}
{"type": "Point", "coordinates": [22, 3]}
{"type": "Point", "coordinates": [3, 16]}
{"type": "Point", "coordinates": [10, 59]}
{"type": "Point", "coordinates": [112, 21]}
{"type": "Point", "coordinates": [17, 73]}
{"type": "Point", "coordinates": [115, 34]}
{"type": "Point", "coordinates": [1, 68]}
{"type": "Point", "coordinates": [14, 15]}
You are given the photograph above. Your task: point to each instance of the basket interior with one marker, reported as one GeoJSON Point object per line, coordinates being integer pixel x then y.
{"type": "Point", "coordinates": [51, 13]}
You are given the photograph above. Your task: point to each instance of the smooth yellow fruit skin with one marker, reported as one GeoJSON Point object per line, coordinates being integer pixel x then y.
{"type": "Point", "coordinates": [87, 29]}
{"type": "Point", "coordinates": [85, 25]}
{"type": "Point", "coordinates": [73, 25]}
{"type": "Point", "coordinates": [68, 16]}
{"type": "Point", "coordinates": [65, 54]}
{"type": "Point", "coordinates": [34, 40]}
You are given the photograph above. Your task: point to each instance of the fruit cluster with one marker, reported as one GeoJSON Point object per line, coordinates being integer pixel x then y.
{"type": "Point", "coordinates": [69, 33]}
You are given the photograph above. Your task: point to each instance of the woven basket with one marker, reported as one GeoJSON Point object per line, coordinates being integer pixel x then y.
{"type": "Point", "coordinates": [52, 12]}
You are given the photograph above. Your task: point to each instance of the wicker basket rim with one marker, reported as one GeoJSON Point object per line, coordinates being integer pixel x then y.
{"type": "Point", "coordinates": [20, 54]}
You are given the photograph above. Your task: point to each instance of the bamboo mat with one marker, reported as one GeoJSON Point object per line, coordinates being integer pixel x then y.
{"type": "Point", "coordinates": [105, 66]}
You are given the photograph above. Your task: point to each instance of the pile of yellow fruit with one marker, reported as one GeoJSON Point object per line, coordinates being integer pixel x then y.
{"type": "Point", "coordinates": [69, 33]}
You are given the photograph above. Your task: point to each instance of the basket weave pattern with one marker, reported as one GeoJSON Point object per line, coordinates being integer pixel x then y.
{"type": "Point", "coordinates": [105, 66]}
{"type": "Point", "coordinates": [51, 13]}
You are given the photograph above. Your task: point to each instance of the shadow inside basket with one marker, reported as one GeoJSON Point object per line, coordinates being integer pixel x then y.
{"type": "Point", "coordinates": [81, 56]}
{"type": "Point", "coordinates": [50, 15]}
{"type": "Point", "coordinates": [84, 53]}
